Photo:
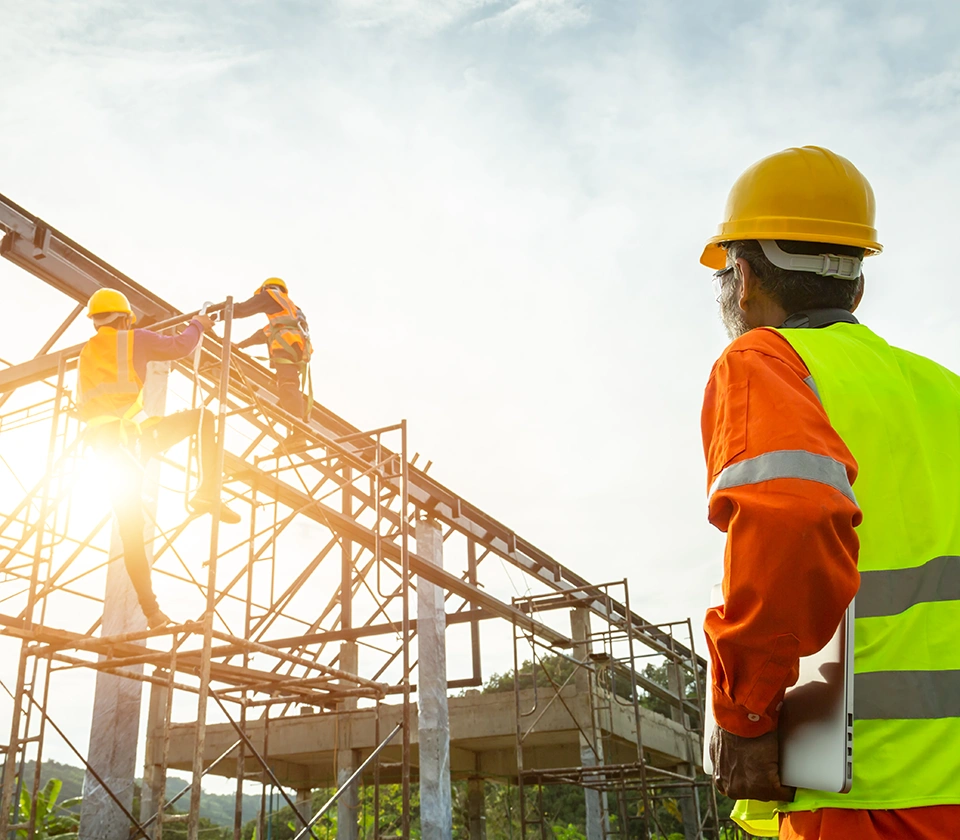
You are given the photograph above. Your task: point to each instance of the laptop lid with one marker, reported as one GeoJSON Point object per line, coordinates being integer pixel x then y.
{"type": "Point", "coordinates": [816, 722]}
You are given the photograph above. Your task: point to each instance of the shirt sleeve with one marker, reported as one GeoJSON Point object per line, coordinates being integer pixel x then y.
{"type": "Point", "coordinates": [780, 485]}
{"type": "Point", "coordinates": [259, 337]}
{"type": "Point", "coordinates": [260, 304]}
{"type": "Point", "coordinates": [153, 347]}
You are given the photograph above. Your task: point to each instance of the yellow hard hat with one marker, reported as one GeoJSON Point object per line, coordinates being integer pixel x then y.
{"type": "Point", "coordinates": [806, 194]}
{"type": "Point", "coordinates": [105, 301]}
{"type": "Point", "coordinates": [272, 281]}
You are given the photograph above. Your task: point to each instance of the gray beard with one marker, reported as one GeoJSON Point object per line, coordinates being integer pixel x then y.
{"type": "Point", "coordinates": [730, 312]}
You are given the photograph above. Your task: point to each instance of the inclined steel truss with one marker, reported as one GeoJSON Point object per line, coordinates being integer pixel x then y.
{"type": "Point", "coordinates": [260, 623]}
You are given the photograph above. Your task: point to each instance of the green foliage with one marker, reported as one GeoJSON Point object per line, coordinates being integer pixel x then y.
{"type": "Point", "coordinates": [52, 819]}
{"type": "Point", "coordinates": [556, 668]}
{"type": "Point", "coordinates": [569, 832]}
{"type": "Point", "coordinates": [660, 675]}
{"type": "Point", "coordinates": [216, 807]}
{"type": "Point", "coordinates": [281, 824]}
{"type": "Point", "coordinates": [207, 829]}
{"type": "Point", "coordinates": [70, 778]}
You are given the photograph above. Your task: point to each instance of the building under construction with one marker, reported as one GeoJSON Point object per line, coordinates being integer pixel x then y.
{"type": "Point", "coordinates": [333, 640]}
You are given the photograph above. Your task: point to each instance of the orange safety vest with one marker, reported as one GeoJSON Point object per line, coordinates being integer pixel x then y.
{"type": "Point", "coordinates": [108, 388]}
{"type": "Point", "coordinates": [288, 336]}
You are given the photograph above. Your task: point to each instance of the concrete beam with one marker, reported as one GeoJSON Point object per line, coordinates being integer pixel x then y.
{"type": "Point", "coordinates": [482, 732]}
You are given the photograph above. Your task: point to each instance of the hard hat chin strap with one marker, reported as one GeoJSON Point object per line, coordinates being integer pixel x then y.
{"type": "Point", "coordinates": [826, 265]}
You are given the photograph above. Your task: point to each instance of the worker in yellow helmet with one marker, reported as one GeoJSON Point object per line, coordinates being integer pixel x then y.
{"type": "Point", "coordinates": [833, 465]}
{"type": "Point", "coordinates": [287, 337]}
{"type": "Point", "coordinates": [112, 369]}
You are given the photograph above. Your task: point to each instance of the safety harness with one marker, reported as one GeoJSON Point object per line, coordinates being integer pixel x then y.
{"type": "Point", "coordinates": [288, 340]}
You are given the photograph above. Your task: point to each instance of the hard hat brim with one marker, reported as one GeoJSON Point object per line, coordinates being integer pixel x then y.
{"type": "Point", "coordinates": [714, 256]}
{"type": "Point", "coordinates": [131, 315]}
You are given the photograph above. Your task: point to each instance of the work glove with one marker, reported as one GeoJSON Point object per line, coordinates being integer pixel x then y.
{"type": "Point", "coordinates": [748, 768]}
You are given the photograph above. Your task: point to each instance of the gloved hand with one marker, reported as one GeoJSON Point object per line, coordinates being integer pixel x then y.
{"type": "Point", "coordinates": [748, 768]}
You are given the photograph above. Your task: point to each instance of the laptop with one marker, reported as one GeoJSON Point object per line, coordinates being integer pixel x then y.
{"type": "Point", "coordinates": [816, 722]}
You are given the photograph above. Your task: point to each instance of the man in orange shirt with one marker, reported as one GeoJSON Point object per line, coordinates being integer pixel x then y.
{"type": "Point", "coordinates": [804, 417]}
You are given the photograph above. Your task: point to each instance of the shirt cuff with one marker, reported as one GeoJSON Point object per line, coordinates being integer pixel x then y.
{"type": "Point", "coordinates": [740, 720]}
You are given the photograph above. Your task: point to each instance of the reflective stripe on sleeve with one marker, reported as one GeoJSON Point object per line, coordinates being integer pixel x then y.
{"type": "Point", "coordinates": [786, 463]}
{"type": "Point", "coordinates": [813, 387]}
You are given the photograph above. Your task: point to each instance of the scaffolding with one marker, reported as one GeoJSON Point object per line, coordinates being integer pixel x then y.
{"type": "Point", "coordinates": [602, 696]}
{"type": "Point", "coordinates": [264, 633]}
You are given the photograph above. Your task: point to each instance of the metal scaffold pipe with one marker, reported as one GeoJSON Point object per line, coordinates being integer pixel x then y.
{"type": "Point", "coordinates": [193, 824]}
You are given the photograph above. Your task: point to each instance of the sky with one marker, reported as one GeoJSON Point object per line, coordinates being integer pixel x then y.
{"type": "Point", "coordinates": [491, 211]}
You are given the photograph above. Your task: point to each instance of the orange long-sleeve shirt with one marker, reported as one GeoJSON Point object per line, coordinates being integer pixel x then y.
{"type": "Point", "coordinates": [790, 564]}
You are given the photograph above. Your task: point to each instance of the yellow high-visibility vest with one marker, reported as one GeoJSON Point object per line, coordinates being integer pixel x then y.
{"type": "Point", "coordinates": [108, 387]}
{"type": "Point", "coordinates": [899, 414]}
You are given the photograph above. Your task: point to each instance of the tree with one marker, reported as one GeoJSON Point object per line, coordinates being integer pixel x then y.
{"type": "Point", "coordinates": [550, 670]}
{"type": "Point", "coordinates": [51, 819]}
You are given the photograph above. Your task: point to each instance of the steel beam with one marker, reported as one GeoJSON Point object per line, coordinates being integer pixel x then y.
{"type": "Point", "coordinates": [56, 259]}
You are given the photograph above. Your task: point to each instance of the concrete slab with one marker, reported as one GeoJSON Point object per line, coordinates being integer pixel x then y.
{"type": "Point", "coordinates": [482, 739]}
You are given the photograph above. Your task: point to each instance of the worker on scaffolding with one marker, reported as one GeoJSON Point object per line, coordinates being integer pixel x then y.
{"type": "Point", "coordinates": [287, 336]}
{"type": "Point", "coordinates": [834, 469]}
{"type": "Point", "coordinates": [112, 371]}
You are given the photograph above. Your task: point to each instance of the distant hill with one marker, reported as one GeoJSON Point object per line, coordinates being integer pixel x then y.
{"type": "Point", "coordinates": [217, 807]}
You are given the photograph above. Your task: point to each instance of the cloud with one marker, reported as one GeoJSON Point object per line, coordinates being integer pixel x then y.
{"type": "Point", "coordinates": [543, 16]}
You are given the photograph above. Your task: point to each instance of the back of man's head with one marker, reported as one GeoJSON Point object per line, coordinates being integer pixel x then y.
{"type": "Point", "coordinates": [797, 291]}
{"type": "Point", "coordinates": [117, 320]}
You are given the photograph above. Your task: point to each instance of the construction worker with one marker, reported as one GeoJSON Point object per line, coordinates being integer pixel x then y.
{"type": "Point", "coordinates": [112, 370]}
{"type": "Point", "coordinates": [834, 469]}
{"type": "Point", "coordinates": [287, 337]}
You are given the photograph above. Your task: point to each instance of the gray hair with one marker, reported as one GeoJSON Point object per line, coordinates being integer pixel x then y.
{"type": "Point", "coordinates": [796, 291]}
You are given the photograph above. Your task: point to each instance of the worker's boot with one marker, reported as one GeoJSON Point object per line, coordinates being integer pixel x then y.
{"type": "Point", "coordinates": [206, 503]}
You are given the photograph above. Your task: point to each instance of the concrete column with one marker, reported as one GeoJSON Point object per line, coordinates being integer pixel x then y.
{"type": "Point", "coordinates": [595, 801]}
{"type": "Point", "coordinates": [436, 804]}
{"type": "Point", "coordinates": [686, 799]}
{"type": "Point", "coordinates": [116, 703]}
{"type": "Point", "coordinates": [304, 800]}
{"type": "Point", "coordinates": [476, 809]}
{"type": "Point", "coordinates": [153, 757]}
{"type": "Point", "coordinates": [348, 759]}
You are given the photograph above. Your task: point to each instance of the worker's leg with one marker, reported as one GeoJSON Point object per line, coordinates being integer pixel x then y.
{"type": "Point", "coordinates": [159, 434]}
{"type": "Point", "coordinates": [288, 389]}
{"type": "Point", "coordinates": [126, 497]}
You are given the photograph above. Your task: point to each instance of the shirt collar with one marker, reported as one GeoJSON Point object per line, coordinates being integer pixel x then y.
{"type": "Point", "coordinates": [814, 319]}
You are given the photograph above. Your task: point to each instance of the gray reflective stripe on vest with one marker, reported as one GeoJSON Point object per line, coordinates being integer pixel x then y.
{"type": "Point", "coordinates": [786, 463]}
{"type": "Point", "coordinates": [813, 387]}
{"type": "Point", "coordinates": [906, 695]}
{"type": "Point", "coordinates": [122, 385]}
{"type": "Point", "coordinates": [893, 591]}
{"type": "Point", "coordinates": [122, 369]}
